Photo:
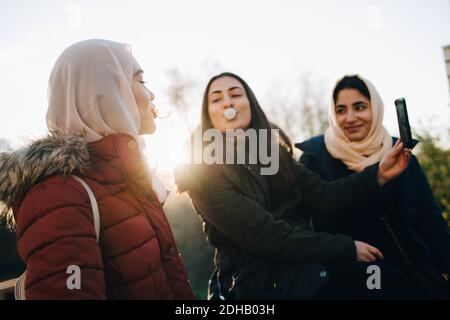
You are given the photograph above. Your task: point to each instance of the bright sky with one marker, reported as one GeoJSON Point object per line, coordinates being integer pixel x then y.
{"type": "Point", "coordinates": [397, 44]}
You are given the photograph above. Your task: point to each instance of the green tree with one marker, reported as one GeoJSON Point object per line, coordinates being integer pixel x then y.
{"type": "Point", "coordinates": [435, 162]}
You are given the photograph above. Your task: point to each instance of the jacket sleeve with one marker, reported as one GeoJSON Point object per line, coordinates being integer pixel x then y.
{"type": "Point", "coordinates": [308, 161]}
{"type": "Point", "coordinates": [431, 225]}
{"type": "Point", "coordinates": [247, 223]}
{"type": "Point", "coordinates": [56, 231]}
{"type": "Point", "coordinates": [325, 198]}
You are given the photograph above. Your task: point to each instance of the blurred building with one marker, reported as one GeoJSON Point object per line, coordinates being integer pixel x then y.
{"type": "Point", "coordinates": [447, 62]}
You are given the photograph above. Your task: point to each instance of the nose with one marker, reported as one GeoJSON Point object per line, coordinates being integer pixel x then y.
{"type": "Point", "coordinates": [350, 117]}
{"type": "Point", "coordinates": [227, 102]}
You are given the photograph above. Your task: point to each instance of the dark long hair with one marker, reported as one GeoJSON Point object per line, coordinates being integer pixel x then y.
{"type": "Point", "coordinates": [285, 177]}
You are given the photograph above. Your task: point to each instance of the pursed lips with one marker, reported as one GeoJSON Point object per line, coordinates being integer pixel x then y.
{"type": "Point", "coordinates": [153, 109]}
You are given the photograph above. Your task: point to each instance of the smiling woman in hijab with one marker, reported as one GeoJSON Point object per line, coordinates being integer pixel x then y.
{"type": "Point", "coordinates": [406, 225]}
{"type": "Point", "coordinates": [99, 108]}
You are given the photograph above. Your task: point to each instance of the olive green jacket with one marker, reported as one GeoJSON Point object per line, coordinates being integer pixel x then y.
{"type": "Point", "coordinates": [266, 249]}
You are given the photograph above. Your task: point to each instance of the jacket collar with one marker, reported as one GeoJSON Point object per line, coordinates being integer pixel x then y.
{"type": "Point", "coordinates": [64, 154]}
{"type": "Point", "coordinates": [116, 158]}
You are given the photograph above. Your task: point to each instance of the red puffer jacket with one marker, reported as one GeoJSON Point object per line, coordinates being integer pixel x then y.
{"type": "Point", "coordinates": [136, 257]}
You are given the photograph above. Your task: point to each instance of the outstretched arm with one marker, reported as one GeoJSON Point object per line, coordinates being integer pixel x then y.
{"type": "Point", "coordinates": [248, 224]}
{"type": "Point", "coordinates": [323, 197]}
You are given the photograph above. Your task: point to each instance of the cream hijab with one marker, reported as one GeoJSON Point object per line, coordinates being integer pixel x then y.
{"type": "Point", "coordinates": [90, 92]}
{"type": "Point", "coordinates": [358, 155]}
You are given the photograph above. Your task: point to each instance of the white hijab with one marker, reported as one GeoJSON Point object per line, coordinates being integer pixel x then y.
{"type": "Point", "coordinates": [359, 154]}
{"type": "Point", "coordinates": [90, 92]}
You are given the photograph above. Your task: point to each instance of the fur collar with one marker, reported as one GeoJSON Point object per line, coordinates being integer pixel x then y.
{"type": "Point", "coordinates": [20, 170]}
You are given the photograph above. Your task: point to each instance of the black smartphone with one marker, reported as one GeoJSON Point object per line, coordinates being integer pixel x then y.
{"type": "Point", "coordinates": [403, 123]}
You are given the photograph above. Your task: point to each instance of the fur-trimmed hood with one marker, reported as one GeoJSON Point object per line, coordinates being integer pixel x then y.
{"type": "Point", "coordinates": [56, 154]}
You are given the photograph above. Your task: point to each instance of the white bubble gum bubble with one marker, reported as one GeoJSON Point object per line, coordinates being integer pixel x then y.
{"type": "Point", "coordinates": [230, 114]}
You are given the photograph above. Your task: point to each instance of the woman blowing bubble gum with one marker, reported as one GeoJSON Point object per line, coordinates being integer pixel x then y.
{"type": "Point", "coordinates": [99, 108]}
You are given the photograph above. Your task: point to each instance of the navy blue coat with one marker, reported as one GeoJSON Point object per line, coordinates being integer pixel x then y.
{"type": "Point", "coordinates": [408, 209]}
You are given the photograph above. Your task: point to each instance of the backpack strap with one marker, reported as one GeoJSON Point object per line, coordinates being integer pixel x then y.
{"type": "Point", "coordinates": [94, 205]}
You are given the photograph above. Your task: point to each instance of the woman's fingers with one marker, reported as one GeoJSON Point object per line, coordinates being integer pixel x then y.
{"type": "Point", "coordinates": [405, 157]}
{"type": "Point", "coordinates": [398, 148]}
{"type": "Point", "coordinates": [407, 154]}
{"type": "Point", "coordinates": [376, 253]}
{"type": "Point", "coordinates": [394, 153]}
{"type": "Point", "coordinates": [367, 253]}
{"type": "Point", "coordinates": [369, 257]}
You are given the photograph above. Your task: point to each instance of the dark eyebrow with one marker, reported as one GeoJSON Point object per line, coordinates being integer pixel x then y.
{"type": "Point", "coordinates": [219, 91]}
{"type": "Point", "coordinates": [138, 72]}
{"type": "Point", "coordinates": [358, 103]}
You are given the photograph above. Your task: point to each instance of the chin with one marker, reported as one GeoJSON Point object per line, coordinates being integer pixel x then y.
{"type": "Point", "coordinates": [237, 125]}
{"type": "Point", "coordinates": [355, 138]}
